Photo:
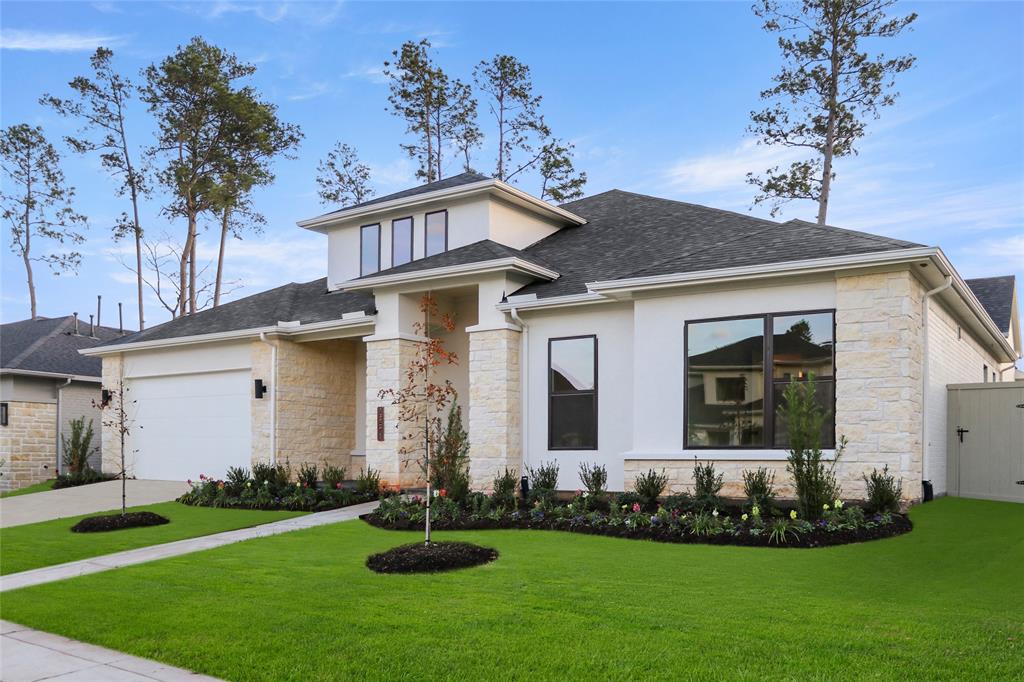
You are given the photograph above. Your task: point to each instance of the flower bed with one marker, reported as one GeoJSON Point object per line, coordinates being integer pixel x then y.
{"type": "Point", "coordinates": [108, 522]}
{"type": "Point", "coordinates": [433, 558]}
{"type": "Point", "coordinates": [269, 487]}
{"type": "Point", "coordinates": [840, 524]}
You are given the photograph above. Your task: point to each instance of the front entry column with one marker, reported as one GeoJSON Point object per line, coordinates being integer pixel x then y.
{"type": "Point", "coordinates": [387, 362]}
{"type": "Point", "coordinates": [495, 408]}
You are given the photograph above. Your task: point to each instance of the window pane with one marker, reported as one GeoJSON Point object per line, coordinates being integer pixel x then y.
{"type": "Point", "coordinates": [437, 227]}
{"type": "Point", "coordinates": [802, 344]}
{"type": "Point", "coordinates": [572, 365]}
{"type": "Point", "coordinates": [824, 395]}
{"type": "Point", "coordinates": [573, 421]}
{"type": "Point", "coordinates": [401, 241]}
{"type": "Point", "coordinates": [370, 244]}
{"type": "Point", "coordinates": [725, 383]}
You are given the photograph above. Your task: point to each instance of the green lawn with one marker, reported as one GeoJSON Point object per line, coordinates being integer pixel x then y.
{"type": "Point", "coordinates": [27, 490]}
{"type": "Point", "coordinates": [943, 602]}
{"type": "Point", "coordinates": [51, 542]}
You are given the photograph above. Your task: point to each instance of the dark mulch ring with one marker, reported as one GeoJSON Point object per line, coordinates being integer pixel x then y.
{"type": "Point", "coordinates": [818, 537]}
{"type": "Point", "coordinates": [100, 524]}
{"type": "Point", "coordinates": [432, 558]}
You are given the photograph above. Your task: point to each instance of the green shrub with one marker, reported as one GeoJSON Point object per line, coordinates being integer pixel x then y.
{"type": "Point", "coordinates": [449, 467]}
{"type": "Point", "coordinates": [706, 486]}
{"type": "Point", "coordinates": [505, 489]}
{"type": "Point", "coordinates": [814, 479]}
{"type": "Point", "coordinates": [594, 478]}
{"type": "Point", "coordinates": [544, 477]}
{"type": "Point", "coordinates": [274, 476]}
{"type": "Point", "coordinates": [883, 492]}
{"type": "Point", "coordinates": [780, 532]}
{"type": "Point", "coordinates": [759, 487]}
{"type": "Point", "coordinates": [678, 502]}
{"type": "Point", "coordinates": [627, 500]}
{"type": "Point", "coordinates": [84, 477]}
{"type": "Point", "coordinates": [237, 477]}
{"type": "Point", "coordinates": [478, 504]}
{"type": "Point", "coordinates": [649, 487]}
{"type": "Point", "coordinates": [334, 476]}
{"type": "Point", "coordinates": [368, 482]}
{"type": "Point", "coordinates": [309, 474]}
{"type": "Point", "coordinates": [78, 446]}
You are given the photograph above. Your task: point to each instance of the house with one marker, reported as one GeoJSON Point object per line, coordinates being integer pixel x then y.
{"type": "Point", "coordinates": [45, 383]}
{"type": "Point", "coordinates": [620, 329]}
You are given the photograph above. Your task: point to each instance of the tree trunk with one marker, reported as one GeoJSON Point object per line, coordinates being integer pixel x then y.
{"type": "Point", "coordinates": [183, 266]}
{"type": "Point", "coordinates": [220, 256]}
{"type": "Point", "coordinates": [192, 276]}
{"type": "Point", "coordinates": [28, 274]}
{"type": "Point", "coordinates": [138, 258]}
{"type": "Point", "coordinates": [830, 130]}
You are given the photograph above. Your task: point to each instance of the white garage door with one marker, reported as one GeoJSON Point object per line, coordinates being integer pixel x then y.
{"type": "Point", "coordinates": [190, 424]}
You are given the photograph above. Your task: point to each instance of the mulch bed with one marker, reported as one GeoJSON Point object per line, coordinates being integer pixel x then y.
{"type": "Point", "coordinates": [815, 538]}
{"type": "Point", "coordinates": [101, 524]}
{"type": "Point", "coordinates": [433, 558]}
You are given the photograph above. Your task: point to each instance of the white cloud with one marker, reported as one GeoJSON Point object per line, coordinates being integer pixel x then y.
{"type": "Point", "coordinates": [392, 176]}
{"type": "Point", "coordinates": [725, 170]}
{"type": "Point", "coordinates": [311, 13]}
{"type": "Point", "coordinates": [43, 41]}
{"type": "Point", "coordinates": [312, 90]}
{"type": "Point", "coordinates": [374, 74]}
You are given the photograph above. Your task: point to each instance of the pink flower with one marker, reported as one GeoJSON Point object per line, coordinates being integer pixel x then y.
{"type": "Point", "coordinates": [338, 485]}
{"type": "Point", "coordinates": [636, 507]}
{"type": "Point", "coordinates": [220, 485]}
{"type": "Point", "coordinates": [442, 492]}
{"type": "Point", "coordinates": [190, 481]}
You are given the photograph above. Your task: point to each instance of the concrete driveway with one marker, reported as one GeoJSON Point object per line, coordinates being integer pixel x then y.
{"type": "Point", "coordinates": [84, 499]}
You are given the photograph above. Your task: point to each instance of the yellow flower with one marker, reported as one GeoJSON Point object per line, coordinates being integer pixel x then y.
{"type": "Point", "coordinates": [792, 514]}
{"type": "Point", "coordinates": [744, 517]}
{"type": "Point", "coordinates": [839, 504]}
{"type": "Point", "coordinates": [825, 507]}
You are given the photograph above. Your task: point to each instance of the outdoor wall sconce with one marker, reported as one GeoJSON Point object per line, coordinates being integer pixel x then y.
{"type": "Point", "coordinates": [104, 397]}
{"type": "Point", "coordinates": [3, 414]}
{"type": "Point", "coordinates": [261, 389]}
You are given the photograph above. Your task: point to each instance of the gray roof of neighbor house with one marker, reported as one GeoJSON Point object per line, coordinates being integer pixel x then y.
{"type": "Point", "coordinates": [446, 183]}
{"type": "Point", "coordinates": [634, 235]}
{"type": "Point", "coordinates": [996, 295]}
{"type": "Point", "coordinates": [49, 344]}
{"type": "Point", "coordinates": [477, 252]}
{"type": "Point", "coordinates": [306, 302]}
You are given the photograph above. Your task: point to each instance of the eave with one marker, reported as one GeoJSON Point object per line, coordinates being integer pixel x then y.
{"type": "Point", "coordinates": [466, 269]}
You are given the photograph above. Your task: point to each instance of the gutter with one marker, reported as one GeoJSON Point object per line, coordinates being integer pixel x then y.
{"type": "Point", "coordinates": [273, 397]}
{"type": "Point", "coordinates": [524, 365]}
{"type": "Point", "coordinates": [924, 369]}
{"type": "Point", "coordinates": [479, 267]}
{"type": "Point", "coordinates": [60, 425]}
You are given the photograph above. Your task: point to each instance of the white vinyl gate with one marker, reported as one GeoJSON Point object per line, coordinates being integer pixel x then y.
{"type": "Point", "coordinates": [986, 441]}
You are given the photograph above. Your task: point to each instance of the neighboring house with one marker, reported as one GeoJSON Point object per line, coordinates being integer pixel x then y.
{"type": "Point", "coordinates": [620, 329]}
{"type": "Point", "coordinates": [45, 383]}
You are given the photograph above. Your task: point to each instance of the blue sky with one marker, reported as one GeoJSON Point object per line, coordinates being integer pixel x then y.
{"type": "Point", "coordinates": [655, 97]}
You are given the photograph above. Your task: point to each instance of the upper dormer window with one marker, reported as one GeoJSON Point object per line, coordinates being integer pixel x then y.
{"type": "Point", "coordinates": [401, 241]}
{"type": "Point", "coordinates": [369, 249]}
{"type": "Point", "coordinates": [436, 229]}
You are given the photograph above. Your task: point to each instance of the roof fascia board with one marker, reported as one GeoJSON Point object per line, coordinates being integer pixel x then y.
{"type": "Point", "coordinates": [477, 268]}
{"type": "Point", "coordinates": [555, 302]}
{"type": "Point", "coordinates": [50, 375]}
{"type": "Point", "coordinates": [483, 186]}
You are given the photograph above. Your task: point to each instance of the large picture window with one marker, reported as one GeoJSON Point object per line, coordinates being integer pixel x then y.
{"type": "Point", "coordinates": [737, 370]}
{"type": "Point", "coordinates": [572, 393]}
{"type": "Point", "coordinates": [436, 229]}
{"type": "Point", "coordinates": [401, 241]}
{"type": "Point", "coordinates": [369, 249]}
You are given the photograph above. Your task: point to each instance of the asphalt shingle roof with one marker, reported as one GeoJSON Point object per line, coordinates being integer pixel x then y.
{"type": "Point", "coordinates": [446, 183]}
{"type": "Point", "coordinates": [477, 252]}
{"type": "Point", "coordinates": [996, 295]}
{"type": "Point", "coordinates": [51, 345]}
{"type": "Point", "coordinates": [306, 302]}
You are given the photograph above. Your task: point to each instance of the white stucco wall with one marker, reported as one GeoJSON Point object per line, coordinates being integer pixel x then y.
{"type": "Point", "coordinates": [188, 359]}
{"type": "Point", "coordinates": [953, 358]}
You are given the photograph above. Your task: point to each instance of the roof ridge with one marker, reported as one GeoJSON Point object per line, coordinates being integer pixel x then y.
{"type": "Point", "coordinates": [747, 216]}
{"type": "Point", "coordinates": [34, 346]}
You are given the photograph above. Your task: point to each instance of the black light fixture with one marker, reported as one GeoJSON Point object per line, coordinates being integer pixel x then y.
{"type": "Point", "coordinates": [104, 397]}
{"type": "Point", "coordinates": [3, 414]}
{"type": "Point", "coordinates": [261, 389]}
{"type": "Point", "coordinates": [524, 486]}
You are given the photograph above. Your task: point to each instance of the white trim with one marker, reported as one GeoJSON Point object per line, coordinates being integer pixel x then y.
{"type": "Point", "coordinates": [186, 372]}
{"type": "Point", "coordinates": [51, 375]}
{"type": "Point", "coordinates": [554, 302]}
{"type": "Point", "coordinates": [483, 186]}
{"type": "Point", "coordinates": [477, 268]}
{"type": "Point", "coordinates": [493, 327]}
{"type": "Point", "coordinates": [403, 336]}
{"type": "Point", "coordinates": [724, 454]}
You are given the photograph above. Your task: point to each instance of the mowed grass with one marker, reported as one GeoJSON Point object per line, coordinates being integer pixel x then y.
{"type": "Point", "coordinates": [35, 545]}
{"type": "Point", "coordinates": [945, 601]}
{"type": "Point", "coordinates": [29, 489]}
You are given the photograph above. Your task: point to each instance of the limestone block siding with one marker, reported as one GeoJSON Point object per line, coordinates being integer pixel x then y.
{"type": "Point", "coordinates": [495, 412]}
{"type": "Point", "coordinates": [395, 457]}
{"type": "Point", "coordinates": [262, 368]}
{"type": "Point", "coordinates": [80, 399]}
{"type": "Point", "coordinates": [113, 371]}
{"type": "Point", "coordinates": [28, 444]}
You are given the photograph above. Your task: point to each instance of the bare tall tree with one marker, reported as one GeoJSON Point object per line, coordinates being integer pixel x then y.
{"type": "Point", "coordinates": [342, 178]}
{"type": "Point", "coordinates": [828, 87]}
{"type": "Point", "coordinates": [36, 202]}
{"type": "Point", "coordinates": [507, 83]}
{"type": "Point", "coordinates": [101, 103]}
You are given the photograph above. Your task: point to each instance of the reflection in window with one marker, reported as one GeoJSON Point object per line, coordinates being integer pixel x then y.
{"type": "Point", "coordinates": [803, 345]}
{"type": "Point", "coordinates": [401, 241]}
{"type": "Point", "coordinates": [369, 249]}
{"type": "Point", "coordinates": [436, 233]}
{"type": "Point", "coordinates": [572, 393]}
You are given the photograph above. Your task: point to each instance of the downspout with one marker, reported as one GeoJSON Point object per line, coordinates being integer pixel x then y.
{"type": "Point", "coordinates": [924, 370]}
{"type": "Point", "coordinates": [524, 354]}
{"type": "Point", "coordinates": [60, 425]}
{"type": "Point", "coordinates": [273, 397]}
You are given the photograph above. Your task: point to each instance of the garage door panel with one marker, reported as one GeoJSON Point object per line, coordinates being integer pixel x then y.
{"type": "Point", "coordinates": [186, 425]}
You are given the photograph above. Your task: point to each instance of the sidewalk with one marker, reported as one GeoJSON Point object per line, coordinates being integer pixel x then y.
{"type": "Point", "coordinates": [142, 555]}
{"type": "Point", "coordinates": [84, 499]}
{"type": "Point", "coordinates": [28, 655]}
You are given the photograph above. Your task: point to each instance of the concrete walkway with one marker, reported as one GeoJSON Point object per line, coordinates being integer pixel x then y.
{"type": "Point", "coordinates": [84, 499]}
{"type": "Point", "coordinates": [141, 555]}
{"type": "Point", "coordinates": [28, 655]}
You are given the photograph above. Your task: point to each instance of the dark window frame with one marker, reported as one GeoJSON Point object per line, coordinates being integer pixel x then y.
{"type": "Point", "coordinates": [426, 221]}
{"type": "Point", "coordinates": [412, 238]}
{"type": "Point", "coordinates": [552, 394]}
{"type": "Point", "coordinates": [768, 428]}
{"type": "Point", "coordinates": [362, 229]}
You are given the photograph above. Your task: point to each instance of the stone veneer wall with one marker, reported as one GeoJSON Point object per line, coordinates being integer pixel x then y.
{"type": "Point", "coordinates": [259, 423]}
{"type": "Point", "coordinates": [111, 439]}
{"type": "Point", "coordinates": [316, 407]}
{"type": "Point", "coordinates": [28, 444]}
{"type": "Point", "coordinates": [386, 364]}
{"type": "Point", "coordinates": [878, 392]}
{"type": "Point", "coordinates": [495, 413]}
